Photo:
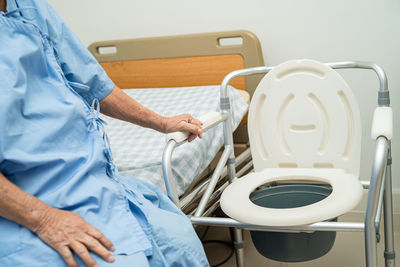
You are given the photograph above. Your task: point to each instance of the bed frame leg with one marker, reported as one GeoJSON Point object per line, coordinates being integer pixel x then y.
{"type": "Point", "coordinates": [239, 246]}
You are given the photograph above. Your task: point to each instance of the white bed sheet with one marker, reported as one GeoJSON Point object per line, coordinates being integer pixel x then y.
{"type": "Point", "coordinates": [138, 151]}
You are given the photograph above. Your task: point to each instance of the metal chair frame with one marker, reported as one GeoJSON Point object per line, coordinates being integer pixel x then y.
{"type": "Point", "coordinates": [379, 187]}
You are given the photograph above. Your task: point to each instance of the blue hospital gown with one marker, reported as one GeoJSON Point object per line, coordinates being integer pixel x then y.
{"type": "Point", "coordinates": [52, 147]}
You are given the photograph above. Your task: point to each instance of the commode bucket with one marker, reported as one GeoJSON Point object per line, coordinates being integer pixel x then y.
{"type": "Point", "coordinates": [292, 247]}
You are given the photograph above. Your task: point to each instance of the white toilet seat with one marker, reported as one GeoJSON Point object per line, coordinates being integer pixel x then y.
{"type": "Point", "coordinates": [346, 194]}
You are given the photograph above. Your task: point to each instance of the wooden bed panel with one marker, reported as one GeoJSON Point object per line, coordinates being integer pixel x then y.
{"type": "Point", "coordinates": [175, 72]}
{"type": "Point", "coordinates": [198, 46]}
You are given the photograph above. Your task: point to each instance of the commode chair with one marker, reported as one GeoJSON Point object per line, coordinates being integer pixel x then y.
{"type": "Point", "coordinates": [305, 132]}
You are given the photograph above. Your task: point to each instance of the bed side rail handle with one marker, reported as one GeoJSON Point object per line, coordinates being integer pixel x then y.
{"type": "Point", "coordinates": [209, 120]}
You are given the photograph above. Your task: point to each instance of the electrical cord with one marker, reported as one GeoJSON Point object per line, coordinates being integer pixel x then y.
{"type": "Point", "coordinates": [225, 243]}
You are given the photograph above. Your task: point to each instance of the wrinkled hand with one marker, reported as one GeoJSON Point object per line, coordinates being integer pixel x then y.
{"type": "Point", "coordinates": [184, 123]}
{"type": "Point", "coordinates": [67, 232]}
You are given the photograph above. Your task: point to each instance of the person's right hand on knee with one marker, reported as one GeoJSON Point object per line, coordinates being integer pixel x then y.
{"type": "Point", "coordinates": [68, 233]}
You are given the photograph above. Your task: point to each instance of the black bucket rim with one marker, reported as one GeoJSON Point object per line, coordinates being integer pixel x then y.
{"type": "Point", "coordinates": [293, 188]}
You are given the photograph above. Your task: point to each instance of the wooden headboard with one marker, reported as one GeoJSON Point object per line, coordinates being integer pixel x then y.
{"type": "Point", "coordinates": [182, 60]}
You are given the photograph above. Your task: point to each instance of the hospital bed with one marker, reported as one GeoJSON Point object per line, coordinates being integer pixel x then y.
{"type": "Point", "coordinates": [173, 75]}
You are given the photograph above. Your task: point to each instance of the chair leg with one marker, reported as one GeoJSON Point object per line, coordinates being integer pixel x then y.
{"type": "Point", "coordinates": [239, 248]}
{"type": "Point", "coordinates": [370, 246]}
{"type": "Point", "coordinates": [377, 175]}
{"type": "Point", "coordinates": [388, 217]}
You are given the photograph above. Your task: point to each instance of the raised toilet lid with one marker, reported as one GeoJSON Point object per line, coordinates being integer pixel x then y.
{"type": "Point", "coordinates": [304, 115]}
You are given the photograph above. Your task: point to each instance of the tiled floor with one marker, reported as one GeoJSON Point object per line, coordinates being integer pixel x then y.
{"type": "Point", "coordinates": [348, 250]}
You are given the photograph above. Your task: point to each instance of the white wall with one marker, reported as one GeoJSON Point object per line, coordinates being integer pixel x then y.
{"type": "Point", "coordinates": [367, 30]}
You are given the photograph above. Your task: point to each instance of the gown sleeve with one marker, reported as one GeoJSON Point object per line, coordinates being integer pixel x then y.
{"type": "Point", "coordinates": [76, 62]}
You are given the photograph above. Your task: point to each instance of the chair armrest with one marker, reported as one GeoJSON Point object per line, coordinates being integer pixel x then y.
{"type": "Point", "coordinates": [382, 123]}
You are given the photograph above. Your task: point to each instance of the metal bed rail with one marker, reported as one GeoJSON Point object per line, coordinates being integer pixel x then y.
{"type": "Point", "coordinates": [198, 191]}
{"type": "Point", "coordinates": [167, 168]}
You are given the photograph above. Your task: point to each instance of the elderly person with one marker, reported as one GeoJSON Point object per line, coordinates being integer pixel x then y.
{"type": "Point", "coordinates": [62, 201]}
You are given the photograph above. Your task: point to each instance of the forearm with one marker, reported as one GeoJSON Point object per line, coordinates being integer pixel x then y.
{"type": "Point", "coordinates": [19, 206]}
{"type": "Point", "coordinates": [120, 106]}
